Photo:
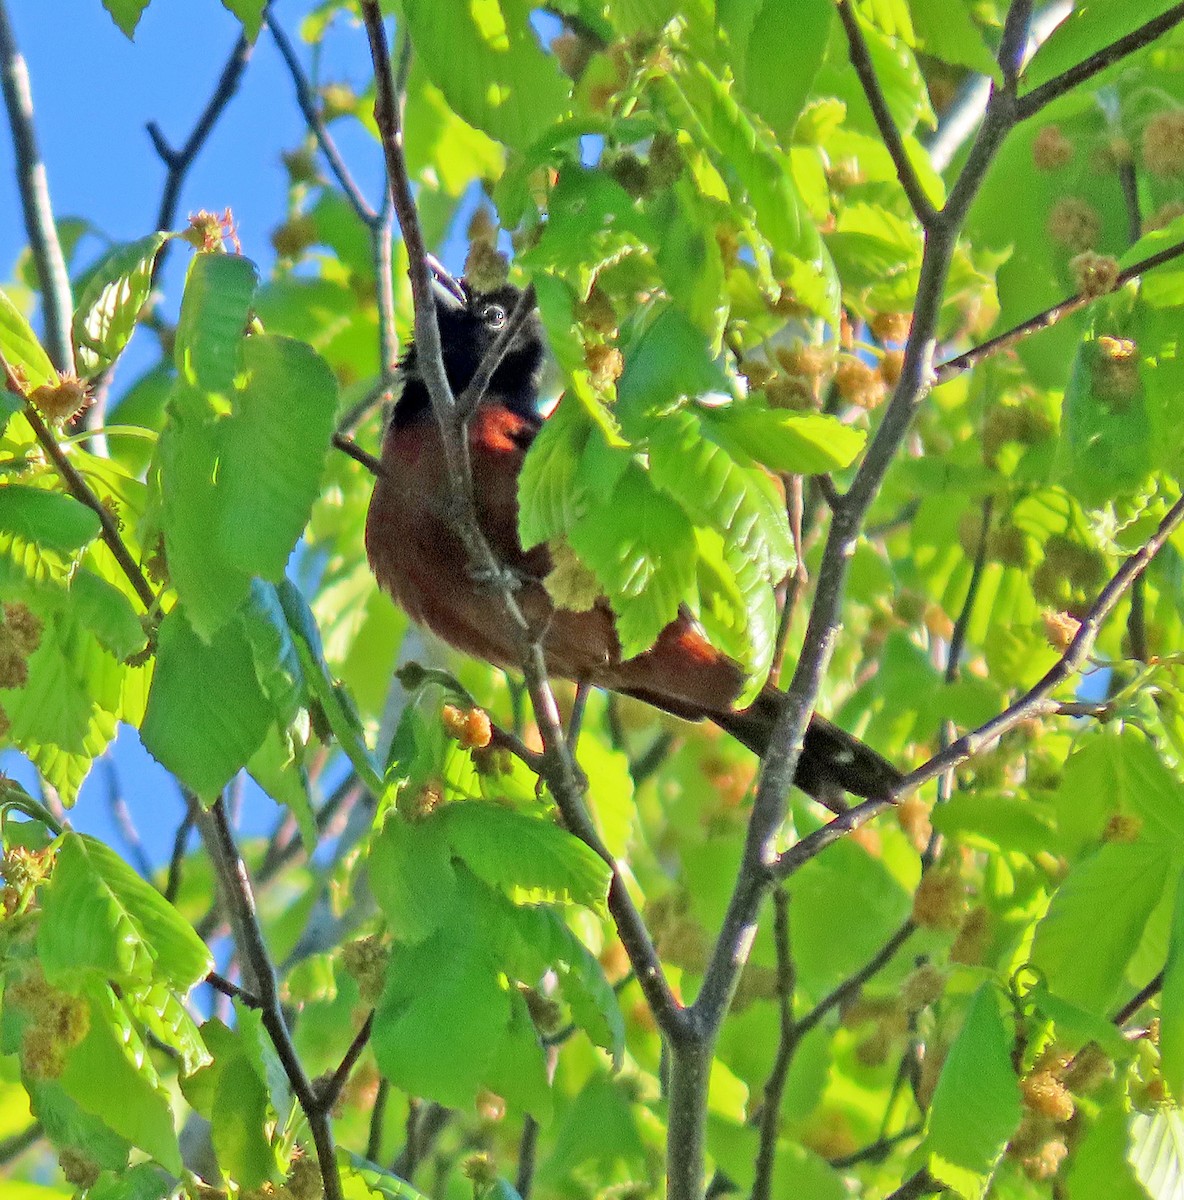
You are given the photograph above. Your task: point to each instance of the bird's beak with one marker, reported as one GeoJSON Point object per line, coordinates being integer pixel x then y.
{"type": "Point", "coordinates": [448, 290]}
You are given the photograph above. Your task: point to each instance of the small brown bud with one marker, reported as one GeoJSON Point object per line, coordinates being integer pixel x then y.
{"type": "Point", "coordinates": [922, 988]}
{"type": "Point", "coordinates": [78, 1170]}
{"type": "Point", "coordinates": [1122, 827]}
{"type": "Point", "coordinates": [605, 363]}
{"type": "Point", "coordinates": [891, 326]}
{"type": "Point", "coordinates": [940, 900]}
{"type": "Point", "coordinates": [1051, 149]}
{"type": "Point", "coordinates": [1045, 1094]}
{"type": "Point", "coordinates": [294, 236]}
{"type": "Point", "coordinates": [891, 364]}
{"type": "Point", "coordinates": [61, 401]}
{"type": "Point", "coordinates": [305, 1181]}
{"type": "Point", "coordinates": [1060, 629]}
{"type": "Point", "coordinates": [1163, 144]}
{"type": "Point", "coordinates": [366, 959]}
{"type": "Point", "coordinates": [1075, 224]}
{"type": "Point", "coordinates": [859, 384]}
{"type": "Point", "coordinates": [486, 267]}
{"type": "Point", "coordinates": [301, 165]}
{"type": "Point", "coordinates": [1094, 274]}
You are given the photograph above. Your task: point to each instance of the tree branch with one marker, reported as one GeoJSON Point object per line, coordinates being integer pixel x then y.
{"type": "Point", "coordinates": [238, 897]}
{"type": "Point", "coordinates": [330, 1091]}
{"type": "Point", "coordinates": [56, 302]}
{"type": "Point", "coordinates": [1031, 103]}
{"type": "Point", "coordinates": [177, 163]}
{"type": "Point", "coordinates": [1050, 316]}
{"type": "Point", "coordinates": [788, 1038]}
{"type": "Point", "coordinates": [1035, 702]}
{"type": "Point", "coordinates": [893, 142]}
{"type": "Point", "coordinates": [80, 489]}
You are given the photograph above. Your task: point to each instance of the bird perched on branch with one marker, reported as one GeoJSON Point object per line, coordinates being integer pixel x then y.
{"type": "Point", "coordinates": [419, 559]}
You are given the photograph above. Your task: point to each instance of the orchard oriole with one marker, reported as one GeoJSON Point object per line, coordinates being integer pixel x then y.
{"type": "Point", "coordinates": [419, 559]}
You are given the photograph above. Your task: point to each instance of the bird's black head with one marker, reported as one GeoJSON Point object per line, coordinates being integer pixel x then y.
{"type": "Point", "coordinates": [470, 323]}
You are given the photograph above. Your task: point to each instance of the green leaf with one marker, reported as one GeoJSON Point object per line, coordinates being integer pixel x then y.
{"type": "Point", "coordinates": [214, 312]}
{"type": "Point", "coordinates": [670, 359]}
{"type": "Point", "coordinates": [250, 13]}
{"type": "Point", "coordinates": [112, 1062]}
{"type": "Point", "coordinates": [379, 1181]}
{"type": "Point", "coordinates": [774, 88]}
{"type": "Point", "coordinates": [441, 1017]}
{"type": "Point", "coordinates": [549, 500]}
{"type": "Point", "coordinates": [239, 1125]}
{"type": "Point", "coordinates": [126, 14]}
{"type": "Point", "coordinates": [411, 876]}
{"type": "Point", "coordinates": [976, 1107]}
{"type": "Point", "coordinates": [165, 1016]}
{"type": "Point", "coordinates": [518, 1070]}
{"type": "Point", "coordinates": [1104, 904]}
{"type": "Point", "coordinates": [19, 345]}
{"type": "Point", "coordinates": [115, 292]}
{"type": "Point", "coordinates": [341, 715]}
{"type": "Point", "coordinates": [275, 443]}
{"type": "Point", "coordinates": [211, 588]}
{"type": "Point", "coordinates": [204, 734]}
{"type": "Point", "coordinates": [1171, 1005]}
{"type": "Point", "coordinates": [277, 663]}
{"type": "Point", "coordinates": [510, 88]}
{"type": "Point", "coordinates": [108, 613]}
{"type": "Point", "coordinates": [1156, 1152]}
{"type": "Point", "coordinates": [641, 548]}
{"type": "Point", "coordinates": [50, 519]}
{"type": "Point", "coordinates": [688, 256]}
{"type": "Point", "coordinates": [100, 919]}
{"type": "Point", "coordinates": [1086, 30]}
{"type": "Point", "coordinates": [1098, 1168]}
{"type": "Point", "coordinates": [789, 442]}
{"type": "Point", "coordinates": [690, 460]}
{"type": "Point", "coordinates": [516, 853]}
{"type": "Point", "coordinates": [946, 29]}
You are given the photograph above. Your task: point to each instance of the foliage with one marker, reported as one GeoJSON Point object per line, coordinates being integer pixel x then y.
{"type": "Point", "coordinates": [752, 261]}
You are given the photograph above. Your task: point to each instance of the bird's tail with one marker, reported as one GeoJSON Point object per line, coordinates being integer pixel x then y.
{"type": "Point", "coordinates": [833, 762]}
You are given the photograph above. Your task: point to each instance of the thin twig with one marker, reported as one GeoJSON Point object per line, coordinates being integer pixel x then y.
{"type": "Point", "coordinates": [172, 884]}
{"type": "Point", "coordinates": [177, 162]}
{"type": "Point", "coordinates": [527, 1151]}
{"type": "Point", "coordinates": [330, 1091]}
{"type": "Point", "coordinates": [307, 103]}
{"type": "Point", "coordinates": [851, 985]}
{"type": "Point", "coordinates": [787, 1042]}
{"type": "Point", "coordinates": [1035, 702]}
{"type": "Point", "coordinates": [893, 142]}
{"type": "Point", "coordinates": [229, 988]}
{"type": "Point", "coordinates": [1032, 102]}
{"type": "Point", "coordinates": [1136, 1002]}
{"type": "Point", "coordinates": [1050, 316]}
{"type": "Point", "coordinates": [919, 1184]}
{"type": "Point", "coordinates": [878, 1150]}
{"type": "Point", "coordinates": [54, 279]}
{"type": "Point", "coordinates": [80, 490]}
{"type": "Point", "coordinates": [13, 1147]}
{"type": "Point", "coordinates": [350, 447]}
{"type": "Point", "coordinates": [377, 1119]}
{"type": "Point", "coordinates": [238, 897]}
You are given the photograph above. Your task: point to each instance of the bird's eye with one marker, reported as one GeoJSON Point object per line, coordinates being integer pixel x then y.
{"type": "Point", "coordinates": [495, 316]}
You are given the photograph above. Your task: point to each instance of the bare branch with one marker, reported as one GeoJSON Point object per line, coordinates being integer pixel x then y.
{"type": "Point", "coordinates": [348, 446]}
{"type": "Point", "coordinates": [56, 302]}
{"type": "Point", "coordinates": [851, 985]}
{"type": "Point", "coordinates": [893, 142]}
{"type": "Point", "coordinates": [1031, 103]}
{"type": "Point", "coordinates": [330, 1091]}
{"type": "Point", "coordinates": [231, 989]}
{"type": "Point", "coordinates": [307, 102]}
{"type": "Point", "coordinates": [177, 163]}
{"type": "Point", "coordinates": [1136, 1002]}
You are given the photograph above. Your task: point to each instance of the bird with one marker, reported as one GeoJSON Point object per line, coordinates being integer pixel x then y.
{"type": "Point", "coordinates": [419, 559]}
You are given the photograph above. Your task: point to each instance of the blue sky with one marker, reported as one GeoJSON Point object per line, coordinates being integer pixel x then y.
{"type": "Point", "coordinates": [94, 92]}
